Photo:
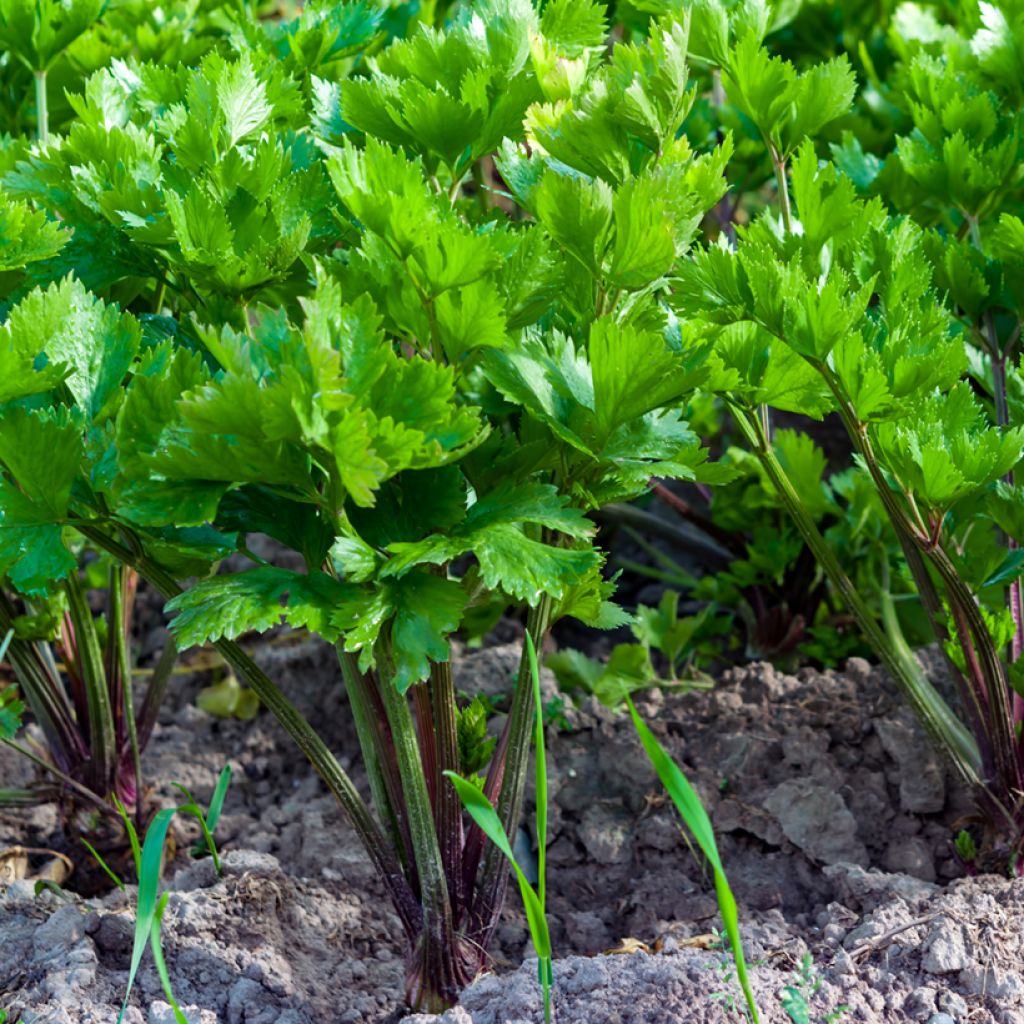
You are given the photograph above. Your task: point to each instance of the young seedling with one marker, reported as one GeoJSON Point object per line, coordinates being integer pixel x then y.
{"type": "Point", "coordinates": [726, 971]}
{"type": "Point", "coordinates": [687, 802]}
{"type": "Point", "coordinates": [483, 813]}
{"type": "Point", "coordinates": [148, 856]}
{"type": "Point", "coordinates": [680, 641]}
{"type": "Point", "coordinates": [797, 996]}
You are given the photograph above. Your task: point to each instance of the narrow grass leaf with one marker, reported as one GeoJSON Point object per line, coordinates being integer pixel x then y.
{"type": "Point", "coordinates": [149, 880]}
{"type": "Point", "coordinates": [684, 796]}
{"type": "Point", "coordinates": [133, 836]}
{"type": "Point", "coordinates": [544, 966]}
{"type": "Point", "coordinates": [542, 771]}
{"type": "Point", "coordinates": [49, 885]}
{"type": "Point", "coordinates": [208, 821]}
{"type": "Point", "coordinates": [158, 959]}
{"type": "Point", "coordinates": [217, 800]}
{"type": "Point", "coordinates": [483, 813]}
{"type": "Point", "coordinates": [103, 864]}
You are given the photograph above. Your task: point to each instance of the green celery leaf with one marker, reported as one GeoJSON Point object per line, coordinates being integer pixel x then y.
{"type": "Point", "coordinates": [228, 606]}
{"type": "Point", "coordinates": [26, 236]}
{"type": "Point", "coordinates": [150, 407]}
{"type": "Point", "coordinates": [509, 559]}
{"type": "Point", "coordinates": [300, 526]}
{"type": "Point", "coordinates": [11, 710]}
{"type": "Point", "coordinates": [74, 328]}
{"type": "Point", "coordinates": [41, 451]}
{"type": "Point", "coordinates": [427, 610]}
{"type": "Point", "coordinates": [943, 450]}
{"type": "Point", "coordinates": [578, 215]}
{"type": "Point", "coordinates": [805, 465]}
{"type": "Point", "coordinates": [634, 373]}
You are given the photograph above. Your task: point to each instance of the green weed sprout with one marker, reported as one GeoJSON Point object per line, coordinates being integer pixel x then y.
{"type": "Point", "coordinates": [150, 906]}
{"type": "Point", "coordinates": [796, 997]}
{"type": "Point", "coordinates": [482, 811]}
{"type": "Point", "coordinates": [684, 796]}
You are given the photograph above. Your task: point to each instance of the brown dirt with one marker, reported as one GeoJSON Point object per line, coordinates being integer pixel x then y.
{"type": "Point", "coordinates": [816, 783]}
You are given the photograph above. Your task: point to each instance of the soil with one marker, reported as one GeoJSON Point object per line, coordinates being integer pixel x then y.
{"type": "Point", "coordinates": [834, 821]}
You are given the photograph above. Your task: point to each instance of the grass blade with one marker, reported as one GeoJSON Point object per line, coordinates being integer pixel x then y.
{"type": "Point", "coordinates": [208, 821]}
{"type": "Point", "coordinates": [217, 800]}
{"type": "Point", "coordinates": [541, 769]}
{"type": "Point", "coordinates": [133, 836]}
{"type": "Point", "coordinates": [149, 881]}
{"type": "Point", "coordinates": [482, 811]}
{"type": "Point", "coordinates": [158, 958]}
{"type": "Point", "coordinates": [103, 864]}
{"type": "Point", "coordinates": [684, 796]}
{"type": "Point", "coordinates": [544, 966]}
{"type": "Point", "coordinates": [150, 906]}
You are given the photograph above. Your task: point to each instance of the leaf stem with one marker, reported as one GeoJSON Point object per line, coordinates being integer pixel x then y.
{"type": "Point", "coordinates": [939, 721]}
{"type": "Point", "coordinates": [119, 668]}
{"type": "Point", "coordinates": [425, 988]}
{"type": "Point", "coordinates": [83, 791]}
{"type": "Point", "coordinates": [782, 186]}
{"type": "Point", "coordinates": [42, 110]}
{"type": "Point", "coordinates": [41, 685]}
{"type": "Point", "coordinates": [102, 763]}
{"type": "Point", "coordinates": [336, 779]}
{"type": "Point", "coordinates": [448, 809]}
{"type": "Point", "coordinates": [982, 658]}
{"type": "Point", "coordinates": [159, 678]}
{"type": "Point", "coordinates": [905, 534]}
{"type": "Point", "coordinates": [378, 749]}
{"type": "Point", "coordinates": [988, 672]}
{"type": "Point", "coordinates": [999, 356]}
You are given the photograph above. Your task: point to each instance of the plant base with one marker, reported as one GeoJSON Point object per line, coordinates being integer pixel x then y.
{"type": "Point", "coordinates": [437, 972]}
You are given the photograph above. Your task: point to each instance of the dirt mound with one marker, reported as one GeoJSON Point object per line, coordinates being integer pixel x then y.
{"type": "Point", "coordinates": [834, 817]}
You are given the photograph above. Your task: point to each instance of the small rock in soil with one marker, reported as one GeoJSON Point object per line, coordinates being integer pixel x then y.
{"type": "Point", "coordinates": [605, 835]}
{"type": "Point", "coordinates": [946, 951]}
{"type": "Point", "coordinates": [922, 776]}
{"type": "Point", "coordinates": [817, 821]}
{"type": "Point", "coordinates": [163, 1013]}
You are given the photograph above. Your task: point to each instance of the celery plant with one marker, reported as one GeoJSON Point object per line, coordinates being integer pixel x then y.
{"type": "Point", "coordinates": [148, 855]}
{"type": "Point", "coordinates": [839, 300]}
{"type": "Point", "coordinates": [421, 381]}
